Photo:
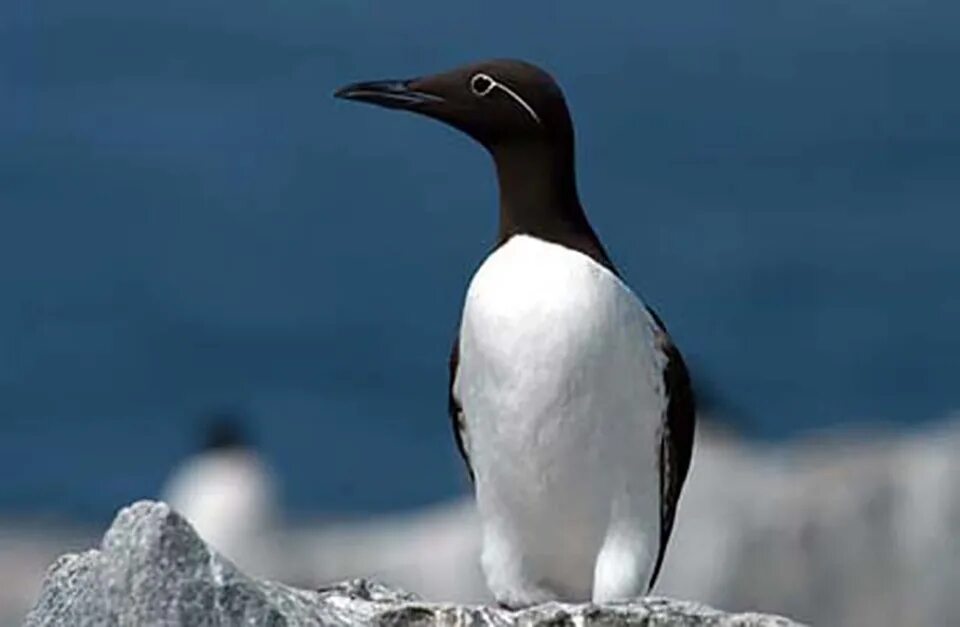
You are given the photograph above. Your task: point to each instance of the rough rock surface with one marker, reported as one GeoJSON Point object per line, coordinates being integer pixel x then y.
{"type": "Point", "coordinates": [152, 569]}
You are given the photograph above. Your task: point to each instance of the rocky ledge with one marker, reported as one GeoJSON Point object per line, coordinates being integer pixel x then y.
{"type": "Point", "coordinates": [153, 569]}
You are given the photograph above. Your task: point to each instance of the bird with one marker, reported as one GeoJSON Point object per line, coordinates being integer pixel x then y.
{"type": "Point", "coordinates": [570, 403]}
{"type": "Point", "coordinates": [226, 490]}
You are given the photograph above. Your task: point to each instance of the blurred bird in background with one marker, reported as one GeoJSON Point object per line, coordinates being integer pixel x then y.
{"type": "Point", "coordinates": [227, 491]}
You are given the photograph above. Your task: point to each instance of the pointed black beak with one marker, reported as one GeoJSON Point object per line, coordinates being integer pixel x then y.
{"type": "Point", "coordinates": [390, 94]}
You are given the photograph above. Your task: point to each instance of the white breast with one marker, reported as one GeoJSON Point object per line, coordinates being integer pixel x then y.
{"type": "Point", "coordinates": [228, 496]}
{"type": "Point", "coordinates": [562, 392]}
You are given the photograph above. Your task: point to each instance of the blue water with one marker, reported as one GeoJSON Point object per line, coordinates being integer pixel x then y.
{"type": "Point", "coordinates": [189, 221]}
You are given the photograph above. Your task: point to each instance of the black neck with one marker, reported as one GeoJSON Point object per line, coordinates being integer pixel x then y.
{"type": "Point", "coordinates": [538, 197]}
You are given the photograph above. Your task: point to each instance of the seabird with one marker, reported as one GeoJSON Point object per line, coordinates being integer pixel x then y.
{"type": "Point", "coordinates": [226, 490]}
{"type": "Point", "coordinates": [571, 405]}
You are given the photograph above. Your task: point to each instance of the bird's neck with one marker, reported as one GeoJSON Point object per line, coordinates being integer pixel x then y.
{"type": "Point", "coordinates": [538, 197]}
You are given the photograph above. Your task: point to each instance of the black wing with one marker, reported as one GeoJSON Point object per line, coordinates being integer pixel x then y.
{"type": "Point", "coordinates": [676, 438]}
{"type": "Point", "coordinates": [456, 410]}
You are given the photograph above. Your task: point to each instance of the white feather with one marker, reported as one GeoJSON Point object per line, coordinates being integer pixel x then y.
{"type": "Point", "coordinates": [229, 497]}
{"type": "Point", "coordinates": [562, 389]}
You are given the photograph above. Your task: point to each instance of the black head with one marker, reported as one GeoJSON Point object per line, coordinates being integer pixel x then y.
{"type": "Point", "coordinates": [517, 111]}
{"type": "Point", "coordinates": [224, 430]}
{"type": "Point", "coordinates": [494, 102]}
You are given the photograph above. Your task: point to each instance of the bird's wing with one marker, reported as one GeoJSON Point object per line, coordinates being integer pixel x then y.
{"type": "Point", "coordinates": [676, 437]}
{"type": "Point", "coordinates": [455, 409]}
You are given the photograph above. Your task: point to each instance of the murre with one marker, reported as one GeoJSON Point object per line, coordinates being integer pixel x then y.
{"type": "Point", "coordinates": [570, 403]}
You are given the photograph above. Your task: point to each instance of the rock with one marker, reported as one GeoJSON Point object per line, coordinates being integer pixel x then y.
{"type": "Point", "coordinates": [153, 569]}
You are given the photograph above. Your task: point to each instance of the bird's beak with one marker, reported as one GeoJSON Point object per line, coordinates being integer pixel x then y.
{"type": "Point", "coordinates": [393, 94]}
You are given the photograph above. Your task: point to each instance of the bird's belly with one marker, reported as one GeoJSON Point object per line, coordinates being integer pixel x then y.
{"type": "Point", "coordinates": [556, 435]}
{"type": "Point", "coordinates": [559, 386]}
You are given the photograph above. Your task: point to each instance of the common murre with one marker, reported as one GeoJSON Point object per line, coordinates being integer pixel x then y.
{"type": "Point", "coordinates": [227, 491]}
{"type": "Point", "coordinates": [571, 405]}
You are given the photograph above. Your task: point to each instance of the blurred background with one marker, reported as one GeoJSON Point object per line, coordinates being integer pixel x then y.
{"type": "Point", "coordinates": [201, 250]}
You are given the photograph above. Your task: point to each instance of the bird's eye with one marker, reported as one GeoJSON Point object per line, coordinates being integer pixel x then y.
{"type": "Point", "coordinates": [481, 84]}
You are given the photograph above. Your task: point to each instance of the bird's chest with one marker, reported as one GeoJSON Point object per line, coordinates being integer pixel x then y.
{"type": "Point", "coordinates": [552, 347]}
{"type": "Point", "coordinates": [530, 304]}
{"type": "Point", "coordinates": [560, 385]}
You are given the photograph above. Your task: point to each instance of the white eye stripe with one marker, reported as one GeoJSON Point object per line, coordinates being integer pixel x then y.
{"type": "Point", "coordinates": [522, 102]}
{"type": "Point", "coordinates": [491, 84]}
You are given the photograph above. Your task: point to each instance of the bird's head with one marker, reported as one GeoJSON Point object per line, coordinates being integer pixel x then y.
{"type": "Point", "coordinates": [495, 102]}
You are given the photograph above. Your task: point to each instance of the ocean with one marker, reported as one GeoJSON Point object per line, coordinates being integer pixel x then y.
{"type": "Point", "coordinates": [189, 222]}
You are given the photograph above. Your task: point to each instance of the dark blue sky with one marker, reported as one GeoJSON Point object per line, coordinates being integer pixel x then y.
{"type": "Point", "coordinates": [188, 220]}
